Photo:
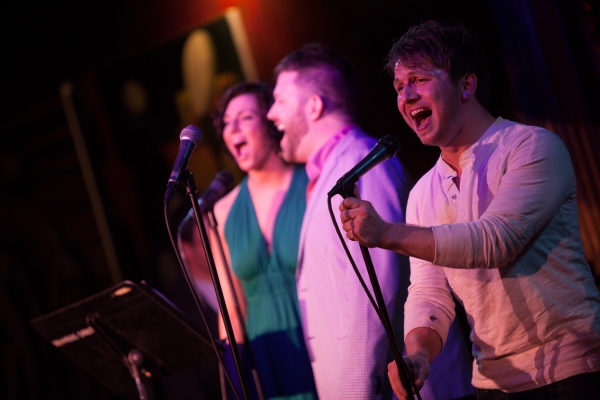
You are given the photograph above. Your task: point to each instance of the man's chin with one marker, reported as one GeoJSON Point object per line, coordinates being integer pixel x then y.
{"type": "Point", "coordinates": [287, 156]}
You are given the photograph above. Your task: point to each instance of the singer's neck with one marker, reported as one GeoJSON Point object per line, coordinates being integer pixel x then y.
{"type": "Point", "coordinates": [324, 129]}
{"type": "Point", "coordinates": [475, 123]}
{"type": "Point", "coordinates": [274, 173]}
{"type": "Point", "coordinates": [268, 187]}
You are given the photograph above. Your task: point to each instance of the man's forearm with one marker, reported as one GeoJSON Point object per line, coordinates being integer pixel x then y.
{"type": "Point", "coordinates": [363, 224]}
{"type": "Point", "coordinates": [410, 240]}
{"type": "Point", "coordinates": [423, 341]}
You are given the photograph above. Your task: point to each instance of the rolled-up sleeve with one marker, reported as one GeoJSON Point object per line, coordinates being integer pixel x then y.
{"type": "Point", "coordinates": [430, 303]}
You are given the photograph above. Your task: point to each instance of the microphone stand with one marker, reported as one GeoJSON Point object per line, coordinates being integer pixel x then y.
{"type": "Point", "coordinates": [381, 309]}
{"type": "Point", "coordinates": [191, 191]}
{"type": "Point", "coordinates": [213, 225]}
{"type": "Point", "coordinates": [385, 320]}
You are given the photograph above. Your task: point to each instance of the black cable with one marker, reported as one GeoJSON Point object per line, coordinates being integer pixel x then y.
{"type": "Point", "coordinates": [379, 308]}
{"type": "Point", "coordinates": [196, 299]}
{"type": "Point", "coordinates": [235, 351]}
{"type": "Point", "coordinates": [212, 221]}
{"type": "Point", "coordinates": [358, 275]}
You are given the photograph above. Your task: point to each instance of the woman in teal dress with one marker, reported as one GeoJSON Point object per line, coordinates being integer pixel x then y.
{"type": "Point", "coordinates": [259, 224]}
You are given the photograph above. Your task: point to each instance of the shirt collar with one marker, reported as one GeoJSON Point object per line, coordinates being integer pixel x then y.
{"type": "Point", "coordinates": [315, 163]}
{"type": "Point", "coordinates": [470, 154]}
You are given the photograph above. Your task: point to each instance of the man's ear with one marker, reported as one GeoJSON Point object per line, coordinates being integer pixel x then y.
{"type": "Point", "coordinates": [315, 107]}
{"type": "Point", "coordinates": [469, 85]}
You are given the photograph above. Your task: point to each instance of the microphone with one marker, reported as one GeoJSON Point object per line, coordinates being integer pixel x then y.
{"type": "Point", "coordinates": [190, 137]}
{"type": "Point", "coordinates": [219, 187]}
{"type": "Point", "coordinates": [386, 148]}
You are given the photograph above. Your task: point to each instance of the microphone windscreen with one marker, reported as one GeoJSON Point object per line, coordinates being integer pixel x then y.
{"type": "Point", "coordinates": [192, 133]}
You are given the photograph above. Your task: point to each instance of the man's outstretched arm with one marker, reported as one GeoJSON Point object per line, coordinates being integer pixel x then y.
{"type": "Point", "coordinates": [363, 224]}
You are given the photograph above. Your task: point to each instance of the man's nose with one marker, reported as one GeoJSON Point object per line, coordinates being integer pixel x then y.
{"type": "Point", "coordinates": [408, 94]}
{"type": "Point", "coordinates": [270, 113]}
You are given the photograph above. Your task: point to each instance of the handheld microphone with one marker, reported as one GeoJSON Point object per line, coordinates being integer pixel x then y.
{"type": "Point", "coordinates": [219, 187]}
{"type": "Point", "coordinates": [386, 148]}
{"type": "Point", "coordinates": [190, 137]}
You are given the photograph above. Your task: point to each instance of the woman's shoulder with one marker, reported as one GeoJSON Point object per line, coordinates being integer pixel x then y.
{"type": "Point", "coordinates": [223, 206]}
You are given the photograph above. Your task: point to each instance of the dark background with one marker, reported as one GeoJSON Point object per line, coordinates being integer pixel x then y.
{"type": "Point", "coordinates": [545, 64]}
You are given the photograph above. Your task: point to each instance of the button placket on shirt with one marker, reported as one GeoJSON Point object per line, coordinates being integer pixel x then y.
{"type": "Point", "coordinates": [452, 192]}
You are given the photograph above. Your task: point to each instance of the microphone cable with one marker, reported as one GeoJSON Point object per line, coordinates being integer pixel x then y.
{"type": "Point", "coordinates": [197, 300]}
{"type": "Point", "coordinates": [407, 382]}
{"type": "Point", "coordinates": [250, 352]}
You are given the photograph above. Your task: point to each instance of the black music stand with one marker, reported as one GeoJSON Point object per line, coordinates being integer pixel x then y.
{"type": "Point", "coordinates": [126, 335]}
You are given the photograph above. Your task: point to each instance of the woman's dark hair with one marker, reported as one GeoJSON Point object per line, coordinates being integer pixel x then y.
{"type": "Point", "coordinates": [264, 95]}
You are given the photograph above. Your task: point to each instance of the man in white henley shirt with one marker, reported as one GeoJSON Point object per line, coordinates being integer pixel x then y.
{"type": "Point", "coordinates": [495, 223]}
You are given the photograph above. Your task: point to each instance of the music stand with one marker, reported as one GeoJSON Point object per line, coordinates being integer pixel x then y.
{"type": "Point", "coordinates": [125, 335]}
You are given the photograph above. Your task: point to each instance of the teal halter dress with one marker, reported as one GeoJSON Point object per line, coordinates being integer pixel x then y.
{"type": "Point", "coordinates": [273, 318]}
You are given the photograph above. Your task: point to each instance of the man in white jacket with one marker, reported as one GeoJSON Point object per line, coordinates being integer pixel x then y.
{"type": "Point", "coordinates": [315, 100]}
